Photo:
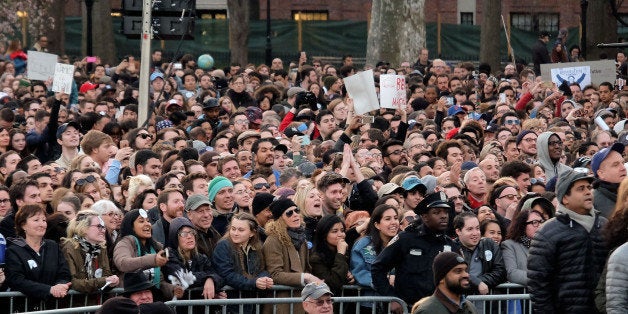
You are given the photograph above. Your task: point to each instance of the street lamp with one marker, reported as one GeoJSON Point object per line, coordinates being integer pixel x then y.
{"type": "Point", "coordinates": [89, 4]}
{"type": "Point", "coordinates": [583, 21]}
{"type": "Point", "coordinates": [269, 47]}
{"type": "Point", "coordinates": [23, 15]}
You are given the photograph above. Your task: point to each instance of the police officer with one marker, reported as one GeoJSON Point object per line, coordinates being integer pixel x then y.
{"type": "Point", "coordinates": [412, 252]}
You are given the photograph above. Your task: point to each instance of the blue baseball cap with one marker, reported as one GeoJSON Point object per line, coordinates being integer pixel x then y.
{"type": "Point", "coordinates": [156, 75]}
{"type": "Point", "coordinates": [599, 157]}
{"type": "Point", "coordinates": [413, 183]}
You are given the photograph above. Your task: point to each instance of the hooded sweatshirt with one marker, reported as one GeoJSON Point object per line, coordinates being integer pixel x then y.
{"type": "Point", "coordinates": [551, 168]}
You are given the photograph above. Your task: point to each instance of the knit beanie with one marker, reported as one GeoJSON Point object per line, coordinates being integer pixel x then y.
{"type": "Point", "coordinates": [261, 201]}
{"type": "Point", "coordinates": [443, 263]}
{"type": "Point", "coordinates": [217, 184]}
{"type": "Point", "coordinates": [280, 206]}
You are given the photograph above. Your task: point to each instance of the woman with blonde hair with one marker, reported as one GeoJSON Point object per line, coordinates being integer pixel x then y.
{"type": "Point", "coordinates": [137, 184]}
{"type": "Point", "coordinates": [309, 200]}
{"type": "Point", "coordinates": [286, 252]}
{"type": "Point", "coordinates": [81, 162]}
{"type": "Point", "coordinates": [226, 103]}
{"type": "Point", "coordinates": [84, 249]}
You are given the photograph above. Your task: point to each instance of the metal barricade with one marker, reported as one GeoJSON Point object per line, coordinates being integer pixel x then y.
{"type": "Point", "coordinates": [502, 303]}
{"type": "Point", "coordinates": [224, 303]}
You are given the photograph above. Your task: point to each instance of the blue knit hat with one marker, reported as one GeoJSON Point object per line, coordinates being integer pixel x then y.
{"type": "Point", "coordinates": [216, 184]}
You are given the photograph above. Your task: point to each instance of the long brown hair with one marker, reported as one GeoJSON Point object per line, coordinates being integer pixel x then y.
{"type": "Point", "coordinates": [616, 230]}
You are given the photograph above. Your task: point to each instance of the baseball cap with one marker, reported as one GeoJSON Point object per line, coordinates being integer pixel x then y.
{"type": "Point", "coordinates": [195, 201]}
{"type": "Point", "coordinates": [210, 103]}
{"type": "Point", "coordinates": [254, 114]}
{"type": "Point", "coordinates": [156, 75]}
{"type": "Point", "coordinates": [599, 157]}
{"type": "Point", "coordinates": [315, 290]}
{"type": "Point", "coordinates": [65, 126]}
{"type": "Point", "coordinates": [87, 86]}
{"type": "Point", "coordinates": [412, 183]}
{"type": "Point", "coordinates": [172, 102]}
{"type": "Point", "coordinates": [390, 188]}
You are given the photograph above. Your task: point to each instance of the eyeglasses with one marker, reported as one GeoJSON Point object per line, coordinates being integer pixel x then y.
{"type": "Point", "coordinates": [185, 234]}
{"type": "Point", "coordinates": [292, 211]}
{"type": "Point", "coordinates": [555, 143]}
{"type": "Point", "coordinates": [89, 179]}
{"type": "Point", "coordinates": [145, 136]}
{"type": "Point", "coordinates": [530, 139]}
{"type": "Point", "coordinates": [516, 121]}
{"type": "Point", "coordinates": [398, 152]}
{"type": "Point", "coordinates": [114, 214]}
{"type": "Point", "coordinates": [535, 223]}
{"type": "Point", "coordinates": [241, 122]}
{"type": "Point", "coordinates": [100, 227]}
{"type": "Point", "coordinates": [59, 169]}
{"type": "Point", "coordinates": [321, 302]}
{"type": "Point", "coordinates": [260, 186]}
{"type": "Point", "coordinates": [5, 201]}
{"type": "Point", "coordinates": [511, 197]}
{"type": "Point", "coordinates": [410, 219]}
{"type": "Point", "coordinates": [454, 198]}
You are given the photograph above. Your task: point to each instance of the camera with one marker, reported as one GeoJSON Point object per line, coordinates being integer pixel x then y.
{"type": "Point", "coordinates": [306, 98]}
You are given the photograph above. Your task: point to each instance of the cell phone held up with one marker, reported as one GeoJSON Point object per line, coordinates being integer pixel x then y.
{"type": "Point", "coordinates": [368, 119]}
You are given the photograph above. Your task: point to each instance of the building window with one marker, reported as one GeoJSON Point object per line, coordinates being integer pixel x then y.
{"type": "Point", "coordinates": [310, 15]}
{"type": "Point", "coordinates": [621, 29]}
{"type": "Point", "coordinates": [466, 18]}
{"type": "Point", "coordinates": [212, 14]}
{"type": "Point", "coordinates": [538, 22]}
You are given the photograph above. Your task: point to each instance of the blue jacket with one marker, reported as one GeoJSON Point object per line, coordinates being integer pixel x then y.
{"type": "Point", "coordinates": [362, 258]}
{"type": "Point", "coordinates": [228, 265]}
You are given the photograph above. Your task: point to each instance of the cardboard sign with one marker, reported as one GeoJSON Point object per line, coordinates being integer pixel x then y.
{"type": "Point", "coordinates": [63, 77]}
{"type": "Point", "coordinates": [41, 65]}
{"type": "Point", "coordinates": [392, 91]}
{"type": "Point", "coordinates": [361, 87]}
{"type": "Point", "coordinates": [583, 73]}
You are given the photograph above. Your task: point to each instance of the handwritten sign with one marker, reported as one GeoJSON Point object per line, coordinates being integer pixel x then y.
{"type": "Point", "coordinates": [361, 87]}
{"type": "Point", "coordinates": [41, 65]}
{"type": "Point", "coordinates": [63, 76]}
{"type": "Point", "coordinates": [392, 91]}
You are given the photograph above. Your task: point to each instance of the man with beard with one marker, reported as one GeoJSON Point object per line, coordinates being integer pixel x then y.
{"type": "Point", "coordinates": [170, 203]}
{"type": "Point", "coordinates": [332, 187]}
{"type": "Point", "coordinates": [490, 167]}
{"type": "Point", "coordinates": [550, 148]}
{"type": "Point", "coordinates": [451, 276]}
{"type": "Point", "coordinates": [245, 161]}
{"type": "Point", "coordinates": [609, 170]}
{"type": "Point", "coordinates": [412, 252]}
{"type": "Point", "coordinates": [200, 214]}
{"type": "Point", "coordinates": [526, 142]}
{"type": "Point", "coordinates": [394, 155]}
{"type": "Point", "coordinates": [264, 157]}
{"type": "Point", "coordinates": [220, 192]}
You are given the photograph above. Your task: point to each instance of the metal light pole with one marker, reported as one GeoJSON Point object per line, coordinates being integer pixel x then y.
{"type": "Point", "coordinates": [583, 21]}
{"type": "Point", "coordinates": [147, 35]}
{"type": "Point", "coordinates": [89, 5]}
{"type": "Point", "coordinates": [269, 47]}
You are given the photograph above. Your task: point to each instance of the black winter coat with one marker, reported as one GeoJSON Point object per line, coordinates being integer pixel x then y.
{"type": "Point", "coordinates": [411, 254]}
{"type": "Point", "coordinates": [564, 265]}
{"type": "Point", "coordinates": [493, 267]}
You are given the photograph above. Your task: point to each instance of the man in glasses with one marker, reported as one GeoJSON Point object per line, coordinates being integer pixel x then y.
{"type": "Point", "coordinates": [412, 252]}
{"type": "Point", "coordinates": [451, 277]}
{"type": "Point", "coordinates": [511, 121]}
{"type": "Point", "coordinates": [317, 298]}
{"type": "Point", "coordinates": [394, 155]}
{"type": "Point", "coordinates": [568, 253]}
{"type": "Point", "coordinates": [198, 210]}
{"type": "Point", "coordinates": [550, 149]}
{"type": "Point", "coordinates": [526, 143]}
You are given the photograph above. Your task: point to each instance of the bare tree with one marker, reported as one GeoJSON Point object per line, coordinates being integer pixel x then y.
{"type": "Point", "coordinates": [396, 31]}
{"type": "Point", "coordinates": [601, 28]}
{"type": "Point", "coordinates": [56, 38]}
{"type": "Point", "coordinates": [238, 12]}
{"type": "Point", "coordinates": [490, 33]}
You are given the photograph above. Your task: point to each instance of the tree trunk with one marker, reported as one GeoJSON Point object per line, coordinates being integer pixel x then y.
{"type": "Point", "coordinates": [238, 13]}
{"type": "Point", "coordinates": [396, 31]}
{"type": "Point", "coordinates": [103, 44]}
{"type": "Point", "coordinates": [56, 38]}
{"type": "Point", "coordinates": [601, 28]}
{"type": "Point", "coordinates": [490, 34]}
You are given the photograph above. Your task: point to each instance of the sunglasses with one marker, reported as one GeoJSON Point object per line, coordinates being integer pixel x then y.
{"type": "Point", "coordinates": [89, 179]}
{"type": "Point", "coordinates": [512, 122]}
{"type": "Point", "coordinates": [145, 136]}
{"type": "Point", "coordinates": [321, 302]}
{"type": "Point", "coordinates": [292, 212]}
{"type": "Point", "coordinates": [410, 219]}
{"type": "Point", "coordinates": [260, 186]}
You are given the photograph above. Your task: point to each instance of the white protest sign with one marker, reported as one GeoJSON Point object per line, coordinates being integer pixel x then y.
{"type": "Point", "coordinates": [63, 76]}
{"type": "Point", "coordinates": [41, 65]}
{"type": "Point", "coordinates": [392, 91]}
{"type": "Point", "coordinates": [583, 73]}
{"type": "Point", "coordinates": [580, 75]}
{"type": "Point", "coordinates": [361, 87]}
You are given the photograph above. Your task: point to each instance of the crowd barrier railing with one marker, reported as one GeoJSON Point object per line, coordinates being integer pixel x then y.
{"type": "Point", "coordinates": [75, 299]}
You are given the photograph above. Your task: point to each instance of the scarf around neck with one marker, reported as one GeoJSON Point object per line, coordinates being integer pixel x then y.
{"type": "Point", "coordinates": [91, 252]}
{"type": "Point", "coordinates": [525, 240]}
{"type": "Point", "coordinates": [585, 221]}
{"type": "Point", "coordinates": [297, 235]}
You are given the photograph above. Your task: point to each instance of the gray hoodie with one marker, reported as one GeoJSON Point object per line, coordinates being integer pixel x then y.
{"type": "Point", "coordinates": [552, 169]}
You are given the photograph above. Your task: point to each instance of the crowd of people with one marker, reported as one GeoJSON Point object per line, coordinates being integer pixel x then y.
{"type": "Point", "coordinates": [253, 176]}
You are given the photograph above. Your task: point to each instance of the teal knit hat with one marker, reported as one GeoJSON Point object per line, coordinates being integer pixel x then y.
{"type": "Point", "coordinates": [217, 184]}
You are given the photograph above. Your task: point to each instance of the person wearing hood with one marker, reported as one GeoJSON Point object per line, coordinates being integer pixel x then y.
{"type": "Point", "coordinates": [568, 253]}
{"type": "Point", "coordinates": [186, 266]}
{"type": "Point", "coordinates": [549, 149]}
{"type": "Point", "coordinates": [137, 251]}
{"type": "Point", "coordinates": [35, 266]}
{"type": "Point", "coordinates": [609, 170]}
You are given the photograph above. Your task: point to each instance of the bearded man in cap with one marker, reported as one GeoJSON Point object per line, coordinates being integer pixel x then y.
{"type": "Point", "coordinates": [412, 252]}
{"type": "Point", "coordinates": [451, 276]}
